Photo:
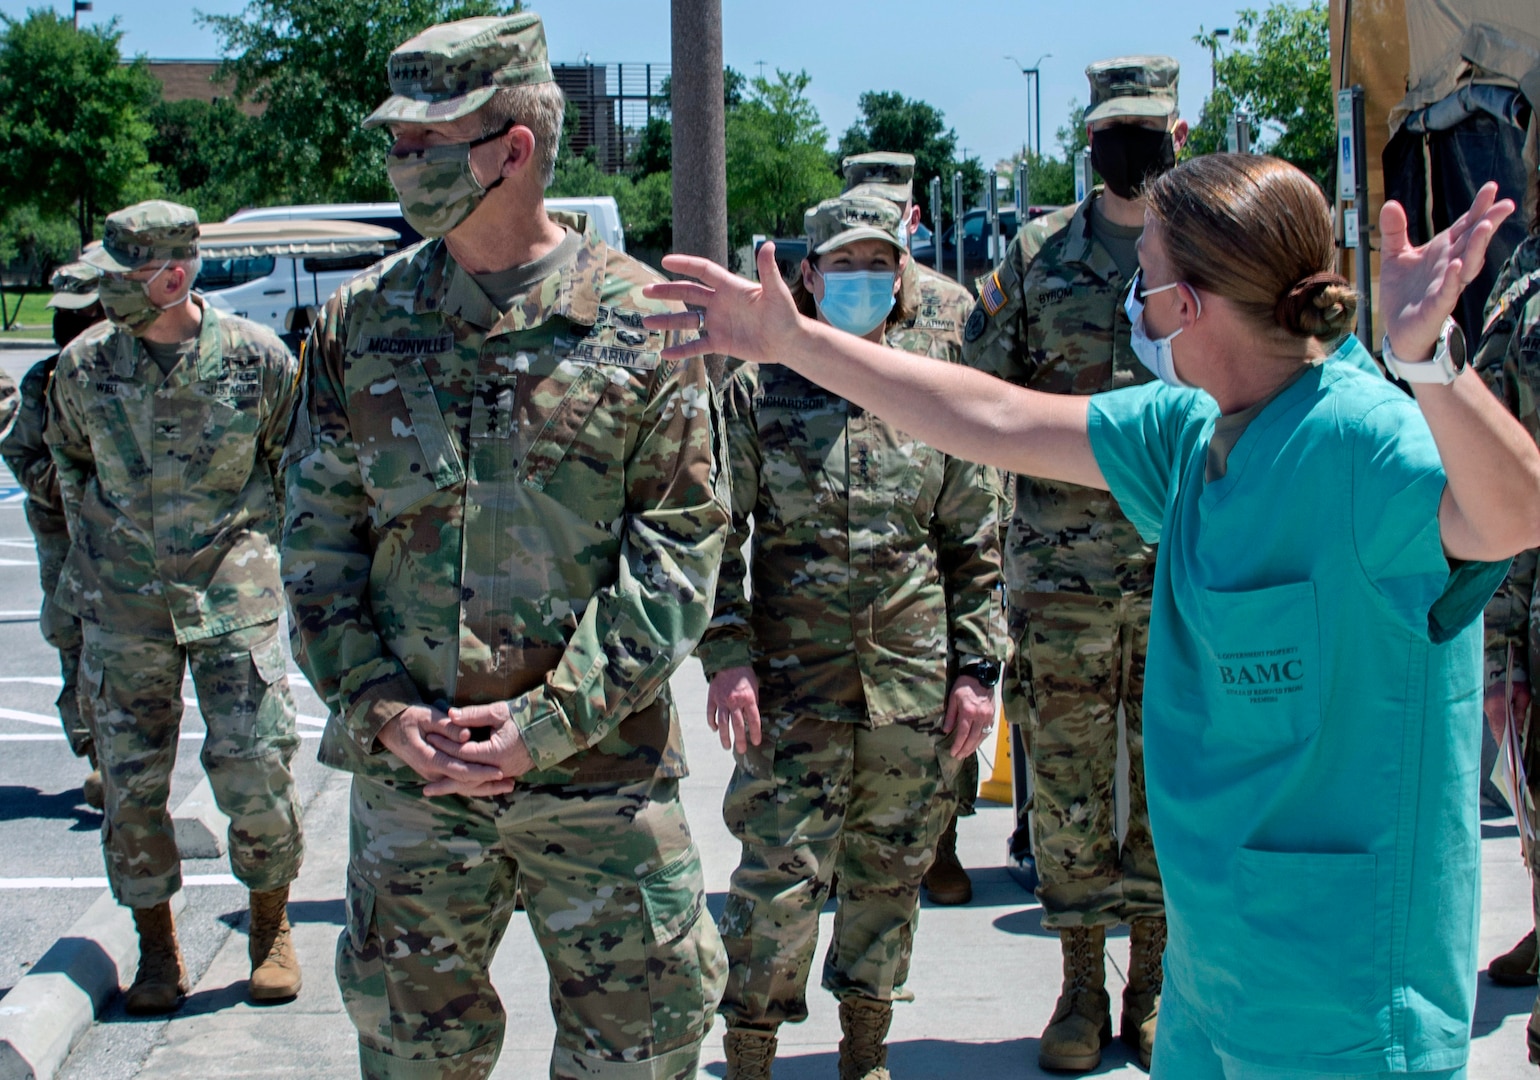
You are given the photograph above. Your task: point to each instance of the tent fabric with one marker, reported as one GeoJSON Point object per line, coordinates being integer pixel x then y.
{"type": "Point", "coordinates": [293, 239]}
{"type": "Point", "coordinates": [1504, 54]}
{"type": "Point", "coordinates": [1439, 28]}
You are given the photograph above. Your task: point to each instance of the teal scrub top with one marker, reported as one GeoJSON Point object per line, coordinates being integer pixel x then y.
{"type": "Point", "coordinates": [1312, 720]}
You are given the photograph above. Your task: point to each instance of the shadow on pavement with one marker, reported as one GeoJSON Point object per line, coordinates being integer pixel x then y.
{"type": "Point", "coordinates": [937, 1058]}
{"type": "Point", "coordinates": [1494, 1003]}
{"type": "Point", "coordinates": [300, 911]}
{"type": "Point", "coordinates": [25, 803]}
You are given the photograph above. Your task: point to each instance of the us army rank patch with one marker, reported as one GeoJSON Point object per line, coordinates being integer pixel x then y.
{"type": "Point", "coordinates": [975, 328]}
{"type": "Point", "coordinates": [991, 295]}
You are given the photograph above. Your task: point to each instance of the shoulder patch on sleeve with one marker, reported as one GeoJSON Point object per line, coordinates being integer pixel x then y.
{"type": "Point", "coordinates": [991, 294]}
{"type": "Point", "coordinates": [975, 328]}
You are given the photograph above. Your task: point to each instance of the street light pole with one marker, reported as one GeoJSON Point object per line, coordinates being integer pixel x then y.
{"type": "Point", "coordinates": [1213, 56]}
{"type": "Point", "coordinates": [1034, 100]}
{"type": "Point", "coordinates": [79, 6]}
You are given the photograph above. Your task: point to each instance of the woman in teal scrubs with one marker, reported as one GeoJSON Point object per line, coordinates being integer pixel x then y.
{"type": "Point", "coordinates": [1313, 690]}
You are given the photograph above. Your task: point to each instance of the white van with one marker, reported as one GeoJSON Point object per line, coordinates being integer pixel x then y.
{"type": "Point", "coordinates": [264, 288]}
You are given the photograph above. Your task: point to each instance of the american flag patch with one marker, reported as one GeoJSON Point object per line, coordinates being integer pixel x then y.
{"type": "Point", "coordinates": [991, 295]}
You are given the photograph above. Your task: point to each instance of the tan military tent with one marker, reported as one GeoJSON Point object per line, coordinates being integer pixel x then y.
{"type": "Point", "coordinates": [1450, 89]}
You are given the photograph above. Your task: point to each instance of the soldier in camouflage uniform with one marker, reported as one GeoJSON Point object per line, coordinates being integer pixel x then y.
{"type": "Point", "coordinates": [166, 425]}
{"type": "Point", "coordinates": [1508, 357]}
{"type": "Point", "coordinates": [937, 309]}
{"type": "Point", "coordinates": [76, 309]}
{"type": "Point", "coordinates": [867, 652]}
{"type": "Point", "coordinates": [1078, 578]}
{"type": "Point", "coordinates": [505, 520]}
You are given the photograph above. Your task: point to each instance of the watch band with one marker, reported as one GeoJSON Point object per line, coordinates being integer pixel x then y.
{"type": "Point", "coordinates": [1443, 368]}
{"type": "Point", "coordinates": [985, 670]}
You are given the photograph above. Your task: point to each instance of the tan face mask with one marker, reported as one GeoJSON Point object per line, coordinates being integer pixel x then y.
{"type": "Point", "coordinates": [127, 302]}
{"type": "Point", "coordinates": [436, 186]}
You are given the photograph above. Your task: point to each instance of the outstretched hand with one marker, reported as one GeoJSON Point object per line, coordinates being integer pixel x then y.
{"type": "Point", "coordinates": [1419, 286]}
{"type": "Point", "coordinates": [741, 319]}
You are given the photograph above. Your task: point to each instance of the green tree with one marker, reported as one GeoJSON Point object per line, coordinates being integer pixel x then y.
{"type": "Point", "coordinates": [72, 121]}
{"type": "Point", "coordinates": [319, 68]}
{"type": "Point", "coordinates": [1278, 70]}
{"type": "Point", "coordinates": [777, 161]}
{"type": "Point", "coordinates": [204, 153]}
{"type": "Point", "coordinates": [890, 121]}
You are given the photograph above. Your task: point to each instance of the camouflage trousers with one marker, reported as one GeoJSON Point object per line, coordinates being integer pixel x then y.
{"type": "Point", "coordinates": [1077, 659]}
{"type": "Point", "coordinates": [134, 685]}
{"type": "Point", "coordinates": [816, 798]}
{"type": "Point", "coordinates": [62, 630]}
{"type": "Point", "coordinates": [613, 888]}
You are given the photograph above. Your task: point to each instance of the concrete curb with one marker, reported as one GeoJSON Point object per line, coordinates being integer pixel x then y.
{"type": "Point", "coordinates": [26, 343]}
{"type": "Point", "coordinates": [201, 827]}
{"type": "Point", "coordinates": [56, 1002]}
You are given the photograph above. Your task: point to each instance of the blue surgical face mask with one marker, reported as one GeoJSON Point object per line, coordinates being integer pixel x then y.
{"type": "Point", "coordinates": [856, 301]}
{"type": "Point", "coordinates": [1154, 353]}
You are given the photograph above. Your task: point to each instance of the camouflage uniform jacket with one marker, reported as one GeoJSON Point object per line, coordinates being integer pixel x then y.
{"type": "Point", "coordinates": [27, 455]}
{"type": "Point", "coordinates": [876, 559]}
{"type": "Point", "coordinates": [1058, 326]}
{"type": "Point", "coordinates": [521, 507]}
{"type": "Point", "coordinates": [170, 483]}
{"type": "Point", "coordinates": [1508, 358]}
{"type": "Point", "coordinates": [940, 308]}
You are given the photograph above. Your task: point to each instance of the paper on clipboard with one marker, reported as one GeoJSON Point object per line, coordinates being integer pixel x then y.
{"type": "Point", "coordinates": [1508, 773]}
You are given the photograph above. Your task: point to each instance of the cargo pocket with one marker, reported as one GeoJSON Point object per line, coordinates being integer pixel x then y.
{"type": "Point", "coordinates": [750, 807]}
{"type": "Point", "coordinates": [1304, 946]}
{"type": "Point", "coordinates": [404, 447]}
{"type": "Point", "coordinates": [360, 963]}
{"type": "Point", "coordinates": [686, 965]}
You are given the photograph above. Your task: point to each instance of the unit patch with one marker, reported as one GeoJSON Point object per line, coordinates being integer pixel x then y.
{"type": "Point", "coordinates": [975, 328]}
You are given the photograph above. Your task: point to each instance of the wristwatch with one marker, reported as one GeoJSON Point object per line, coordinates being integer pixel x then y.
{"type": "Point", "coordinates": [986, 671]}
{"type": "Point", "coordinates": [1447, 363]}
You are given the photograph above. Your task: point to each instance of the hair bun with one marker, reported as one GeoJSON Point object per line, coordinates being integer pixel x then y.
{"type": "Point", "coordinates": [1322, 306]}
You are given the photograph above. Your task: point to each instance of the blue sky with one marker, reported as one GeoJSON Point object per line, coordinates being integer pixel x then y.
{"type": "Point", "coordinates": [951, 54]}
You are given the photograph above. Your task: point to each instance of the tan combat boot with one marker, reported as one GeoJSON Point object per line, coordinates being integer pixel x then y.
{"type": "Point", "coordinates": [91, 787]}
{"type": "Point", "coordinates": [749, 1053]}
{"type": "Point", "coordinates": [864, 1049]}
{"type": "Point", "coordinates": [1082, 1021]}
{"type": "Point", "coordinates": [275, 972]}
{"type": "Point", "coordinates": [946, 882]}
{"type": "Point", "coordinates": [1141, 997]}
{"type": "Point", "coordinates": [161, 982]}
{"type": "Point", "coordinates": [1517, 966]}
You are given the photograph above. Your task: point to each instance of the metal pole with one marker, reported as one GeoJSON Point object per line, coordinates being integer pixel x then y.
{"type": "Point", "coordinates": [700, 148]}
{"type": "Point", "coordinates": [1022, 202]}
{"type": "Point", "coordinates": [1361, 200]}
{"type": "Point", "coordinates": [996, 248]}
{"type": "Point", "coordinates": [935, 223]}
{"type": "Point", "coordinates": [1037, 111]}
{"type": "Point", "coordinates": [957, 220]}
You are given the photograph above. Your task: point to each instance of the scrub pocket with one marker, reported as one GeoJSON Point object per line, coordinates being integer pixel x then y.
{"type": "Point", "coordinates": [1262, 671]}
{"type": "Point", "coordinates": [1304, 947]}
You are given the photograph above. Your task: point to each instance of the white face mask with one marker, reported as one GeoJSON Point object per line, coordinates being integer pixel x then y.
{"type": "Point", "coordinates": [1153, 353]}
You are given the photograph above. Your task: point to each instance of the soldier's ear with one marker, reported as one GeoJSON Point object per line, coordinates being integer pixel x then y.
{"type": "Point", "coordinates": [520, 142]}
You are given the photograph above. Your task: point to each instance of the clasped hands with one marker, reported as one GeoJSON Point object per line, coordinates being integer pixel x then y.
{"type": "Point", "coordinates": [442, 748]}
{"type": "Point", "coordinates": [732, 711]}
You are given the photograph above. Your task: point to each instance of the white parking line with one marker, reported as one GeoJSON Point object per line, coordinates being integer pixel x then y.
{"type": "Point", "coordinates": [18, 562]}
{"type": "Point", "coordinates": [101, 882]}
{"type": "Point", "coordinates": [28, 717]}
{"type": "Point", "coordinates": [187, 736]}
{"type": "Point", "coordinates": [36, 680]}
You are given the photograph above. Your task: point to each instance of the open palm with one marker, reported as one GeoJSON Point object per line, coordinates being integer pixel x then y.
{"type": "Point", "coordinates": [1419, 286]}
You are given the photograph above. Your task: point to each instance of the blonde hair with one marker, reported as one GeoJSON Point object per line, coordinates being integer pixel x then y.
{"type": "Point", "coordinates": [541, 107]}
{"type": "Point", "coordinates": [1258, 232]}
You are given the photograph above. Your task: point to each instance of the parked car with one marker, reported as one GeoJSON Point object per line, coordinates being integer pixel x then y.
{"type": "Point", "coordinates": [278, 273]}
{"type": "Point", "coordinates": [266, 285]}
{"type": "Point", "coordinates": [978, 254]}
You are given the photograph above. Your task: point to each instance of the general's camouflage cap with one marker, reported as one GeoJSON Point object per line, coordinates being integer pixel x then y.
{"type": "Point", "coordinates": [453, 69]}
{"type": "Point", "coordinates": [834, 223]}
{"type": "Point", "coordinates": [1132, 86]}
{"type": "Point", "coordinates": [146, 232]}
{"type": "Point", "coordinates": [74, 286]}
{"type": "Point", "coordinates": [881, 175]}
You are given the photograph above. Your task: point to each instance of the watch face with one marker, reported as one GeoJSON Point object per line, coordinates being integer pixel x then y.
{"type": "Point", "coordinates": [1456, 344]}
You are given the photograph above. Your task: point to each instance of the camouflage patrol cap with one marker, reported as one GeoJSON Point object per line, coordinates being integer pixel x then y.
{"type": "Point", "coordinates": [453, 69]}
{"type": "Point", "coordinates": [1132, 86]}
{"type": "Point", "coordinates": [146, 232]}
{"type": "Point", "coordinates": [74, 286]}
{"type": "Point", "coordinates": [881, 175]}
{"type": "Point", "coordinates": [834, 223]}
